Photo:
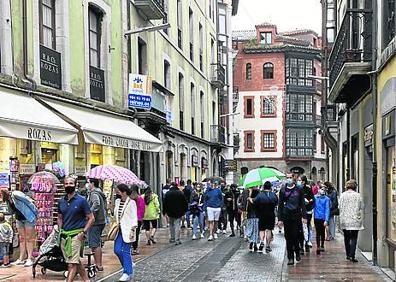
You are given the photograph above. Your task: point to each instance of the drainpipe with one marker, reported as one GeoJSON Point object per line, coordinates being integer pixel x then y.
{"type": "Point", "coordinates": [349, 145]}
{"type": "Point", "coordinates": [25, 51]}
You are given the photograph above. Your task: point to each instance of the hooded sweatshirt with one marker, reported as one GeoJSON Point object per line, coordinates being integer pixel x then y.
{"type": "Point", "coordinates": [322, 207]}
{"type": "Point", "coordinates": [213, 198]}
{"type": "Point", "coordinates": [96, 201]}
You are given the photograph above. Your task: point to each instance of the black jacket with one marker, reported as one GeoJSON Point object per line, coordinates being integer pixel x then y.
{"type": "Point", "coordinates": [233, 204]}
{"type": "Point", "coordinates": [175, 204]}
{"type": "Point", "coordinates": [291, 204]}
{"type": "Point", "coordinates": [310, 197]}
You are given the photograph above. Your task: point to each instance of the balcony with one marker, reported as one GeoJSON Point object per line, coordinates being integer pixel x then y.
{"type": "Point", "coordinates": [152, 9]}
{"type": "Point", "coordinates": [217, 134]}
{"type": "Point", "coordinates": [217, 75]}
{"type": "Point", "coordinates": [350, 59]}
{"type": "Point", "coordinates": [235, 98]}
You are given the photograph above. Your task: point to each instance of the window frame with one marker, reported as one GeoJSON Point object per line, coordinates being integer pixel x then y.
{"type": "Point", "coordinates": [167, 75]}
{"type": "Point", "coordinates": [248, 71]}
{"type": "Point", "coordinates": [263, 99]}
{"type": "Point", "coordinates": [245, 100]}
{"type": "Point", "coordinates": [267, 36]}
{"type": "Point", "coordinates": [53, 23]}
{"type": "Point", "coordinates": [268, 149]}
{"type": "Point", "coordinates": [99, 18]}
{"type": "Point", "coordinates": [246, 133]}
{"type": "Point", "coordinates": [268, 70]}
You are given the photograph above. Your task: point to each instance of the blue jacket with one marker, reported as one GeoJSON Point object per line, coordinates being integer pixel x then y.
{"type": "Point", "coordinates": [322, 207]}
{"type": "Point", "coordinates": [213, 198]}
{"type": "Point", "coordinates": [25, 205]}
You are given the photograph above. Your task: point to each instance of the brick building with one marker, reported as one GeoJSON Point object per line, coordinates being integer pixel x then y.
{"type": "Point", "coordinates": [279, 100]}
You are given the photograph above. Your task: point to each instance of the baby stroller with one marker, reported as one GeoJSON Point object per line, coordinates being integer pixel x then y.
{"type": "Point", "coordinates": [50, 256]}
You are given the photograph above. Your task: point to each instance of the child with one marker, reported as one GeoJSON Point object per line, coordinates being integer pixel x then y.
{"type": "Point", "coordinates": [321, 218]}
{"type": "Point", "coordinates": [5, 240]}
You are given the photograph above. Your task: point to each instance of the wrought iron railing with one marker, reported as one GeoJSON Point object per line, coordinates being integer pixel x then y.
{"type": "Point", "coordinates": [218, 75]}
{"type": "Point", "coordinates": [353, 41]}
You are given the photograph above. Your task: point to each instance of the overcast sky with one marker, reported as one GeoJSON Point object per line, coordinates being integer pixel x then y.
{"type": "Point", "coordinates": [286, 14]}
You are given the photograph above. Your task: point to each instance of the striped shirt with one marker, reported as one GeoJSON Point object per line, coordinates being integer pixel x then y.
{"type": "Point", "coordinates": [120, 208]}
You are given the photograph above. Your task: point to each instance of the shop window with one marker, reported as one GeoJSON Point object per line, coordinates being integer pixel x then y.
{"type": "Point", "coordinates": [268, 107]}
{"type": "Point", "coordinates": [268, 140]}
{"type": "Point", "coordinates": [249, 106]}
{"type": "Point", "coordinates": [248, 71]}
{"type": "Point", "coordinates": [47, 23]}
{"type": "Point", "coordinates": [249, 141]}
{"type": "Point", "coordinates": [268, 71]}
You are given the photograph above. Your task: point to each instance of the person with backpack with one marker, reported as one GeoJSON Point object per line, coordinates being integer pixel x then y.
{"type": "Point", "coordinates": [309, 200]}
{"type": "Point", "coordinates": [334, 210]}
{"type": "Point", "coordinates": [97, 203]}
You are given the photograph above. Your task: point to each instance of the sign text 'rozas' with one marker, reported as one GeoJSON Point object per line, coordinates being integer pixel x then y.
{"type": "Point", "coordinates": [38, 134]}
{"type": "Point", "coordinates": [125, 143]}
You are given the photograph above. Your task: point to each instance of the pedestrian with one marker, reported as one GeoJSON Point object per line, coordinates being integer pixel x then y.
{"type": "Point", "coordinates": [223, 214]}
{"type": "Point", "coordinates": [140, 206]}
{"type": "Point", "coordinates": [26, 232]}
{"type": "Point", "coordinates": [125, 212]}
{"type": "Point", "coordinates": [97, 203]}
{"type": "Point", "coordinates": [175, 207]}
{"type": "Point", "coordinates": [309, 200]}
{"type": "Point", "coordinates": [351, 217]}
{"type": "Point", "coordinates": [165, 189]}
{"type": "Point", "coordinates": [252, 228]}
{"type": "Point", "coordinates": [291, 212]}
{"type": "Point", "coordinates": [213, 202]}
{"type": "Point", "coordinates": [316, 186]}
{"type": "Point", "coordinates": [334, 209]}
{"type": "Point", "coordinates": [75, 219]}
{"type": "Point", "coordinates": [6, 234]}
{"type": "Point", "coordinates": [321, 218]}
{"type": "Point", "coordinates": [151, 215]}
{"type": "Point", "coordinates": [196, 210]}
{"type": "Point", "coordinates": [187, 194]}
{"type": "Point", "coordinates": [231, 202]}
{"type": "Point", "coordinates": [264, 204]}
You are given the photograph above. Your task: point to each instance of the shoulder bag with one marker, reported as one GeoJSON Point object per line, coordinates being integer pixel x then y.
{"type": "Point", "coordinates": [115, 226]}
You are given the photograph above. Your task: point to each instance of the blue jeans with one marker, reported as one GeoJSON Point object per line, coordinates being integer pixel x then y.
{"type": "Point", "coordinates": [309, 225]}
{"type": "Point", "coordinates": [123, 252]}
{"type": "Point", "coordinates": [332, 227]}
{"type": "Point", "coordinates": [198, 220]}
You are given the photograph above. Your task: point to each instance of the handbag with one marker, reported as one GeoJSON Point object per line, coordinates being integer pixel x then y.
{"type": "Point", "coordinates": [115, 226]}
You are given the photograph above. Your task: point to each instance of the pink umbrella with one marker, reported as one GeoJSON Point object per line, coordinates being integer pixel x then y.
{"type": "Point", "coordinates": [116, 173]}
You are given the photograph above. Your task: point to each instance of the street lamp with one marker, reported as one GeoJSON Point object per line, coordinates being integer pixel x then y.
{"type": "Point", "coordinates": [148, 28]}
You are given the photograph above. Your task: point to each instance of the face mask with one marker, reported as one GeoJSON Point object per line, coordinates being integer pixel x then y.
{"type": "Point", "coordinates": [322, 191]}
{"type": "Point", "coordinates": [288, 182]}
{"type": "Point", "coordinates": [70, 189]}
{"type": "Point", "coordinates": [299, 183]}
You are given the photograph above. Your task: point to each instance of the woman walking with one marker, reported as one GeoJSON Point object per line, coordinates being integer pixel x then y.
{"type": "Point", "coordinates": [334, 209]}
{"type": "Point", "coordinates": [140, 205]}
{"type": "Point", "coordinates": [151, 215]}
{"type": "Point", "coordinates": [321, 218]}
{"type": "Point", "coordinates": [264, 205]}
{"type": "Point", "coordinates": [252, 228]}
{"type": "Point", "coordinates": [351, 217]}
{"type": "Point", "coordinates": [126, 216]}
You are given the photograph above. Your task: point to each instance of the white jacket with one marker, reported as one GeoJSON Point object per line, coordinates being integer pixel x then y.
{"type": "Point", "coordinates": [129, 219]}
{"type": "Point", "coordinates": [351, 211]}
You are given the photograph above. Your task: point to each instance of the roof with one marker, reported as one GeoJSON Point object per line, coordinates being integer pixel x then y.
{"type": "Point", "coordinates": [266, 24]}
{"type": "Point", "coordinates": [298, 31]}
{"type": "Point", "coordinates": [244, 34]}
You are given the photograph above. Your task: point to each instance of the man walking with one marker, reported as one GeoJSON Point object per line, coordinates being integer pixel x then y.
{"type": "Point", "coordinates": [174, 206]}
{"type": "Point", "coordinates": [212, 205]}
{"type": "Point", "coordinates": [231, 198]}
{"type": "Point", "coordinates": [187, 194]}
{"type": "Point", "coordinates": [74, 221]}
{"type": "Point", "coordinates": [97, 204]}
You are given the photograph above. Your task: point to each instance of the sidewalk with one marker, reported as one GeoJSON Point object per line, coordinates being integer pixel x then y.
{"type": "Point", "coordinates": [332, 266]}
{"type": "Point", "coordinates": [110, 261]}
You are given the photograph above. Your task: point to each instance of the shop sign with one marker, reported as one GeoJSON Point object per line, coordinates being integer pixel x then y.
{"type": "Point", "coordinates": [97, 84]}
{"type": "Point", "coordinates": [27, 169]}
{"type": "Point", "coordinates": [230, 165]}
{"type": "Point", "coordinates": [79, 170]}
{"type": "Point", "coordinates": [139, 91]}
{"type": "Point", "coordinates": [50, 67]}
{"type": "Point", "coordinates": [40, 134]}
{"type": "Point", "coordinates": [4, 181]}
{"type": "Point", "coordinates": [194, 160]}
{"type": "Point", "coordinates": [368, 135]}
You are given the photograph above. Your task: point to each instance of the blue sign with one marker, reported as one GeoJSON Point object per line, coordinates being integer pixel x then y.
{"type": "Point", "coordinates": [139, 101]}
{"type": "Point", "coordinates": [4, 180]}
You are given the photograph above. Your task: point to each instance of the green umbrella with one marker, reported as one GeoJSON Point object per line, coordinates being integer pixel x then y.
{"type": "Point", "coordinates": [259, 176]}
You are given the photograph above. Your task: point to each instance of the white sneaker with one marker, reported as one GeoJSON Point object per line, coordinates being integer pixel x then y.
{"type": "Point", "coordinates": [202, 235]}
{"type": "Point", "coordinates": [194, 237]}
{"type": "Point", "coordinates": [215, 236]}
{"type": "Point", "coordinates": [125, 277]}
{"type": "Point", "coordinates": [309, 243]}
{"type": "Point", "coordinates": [28, 263]}
{"type": "Point", "coordinates": [18, 262]}
{"type": "Point", "coordinates": [218, 231]}
{"type": "Point", "coordinates": [224, 232]}
{"type": "Point", "coordinates": [210, 238]}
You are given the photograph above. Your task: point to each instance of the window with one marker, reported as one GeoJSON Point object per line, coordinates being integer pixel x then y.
{"type": "Point", "coordinates": [268, 71]}
{"type": "Point", "coordinates": [191, 25]}
{"type": "Point", "coordinates": [181, 101]}
{"type": "Point", "coordinates": [142, 56]}
{"type": "Point", "coordinates": [202, 107]}
{"type": "Point", "coordinates": [167, 77]}
{"type": "Point", "coordinates": [179, 24]}
{"type": "Point", "coordinates": [249, 141]}
{"type": "Point", "coordinates": [47, 23]}
{"type": "Point", "coordinates": [322, 144]}
{"type": "Point", "coordinates": [389, 26]}
{"type": "Point", "coordinates": [299, 142]}
{"type": "Point", "coordinates": [95, 19]}
{"type": "Point", "coordinates": [298, 72]}
{"type": "Point", "coordinates": [249, 106]}
{"type": "Point", "coordinates": [266, 37]}
{"type": "Point", "coordinates": [166, 12]}
{"type": "Point", "coordinates": [299, 107]}
{"type": "Point", "coordinates": [248, 71]}
{"type": "Point", "coordinates": [314, 141]}
{"type": "Point", "coordinates": [192, 109]}
{"type": "Point", "coordinates": [268, 107]}
{"type": "Point", "coordinates": [268, 140]}
{"type": "Point", "coordinates": [201, 42]}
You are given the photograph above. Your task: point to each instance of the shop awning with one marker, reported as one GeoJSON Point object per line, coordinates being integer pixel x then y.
{"type": "Point", "coordinates": [21, 116]}
{"type": "Point", "coordinates": [106, 129]}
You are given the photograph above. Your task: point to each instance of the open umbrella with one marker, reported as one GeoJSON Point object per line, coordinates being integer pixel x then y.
{"type": "Point", "coordinates": [116, 173]}
{"type": "Point", "coordinates": [259, 176]}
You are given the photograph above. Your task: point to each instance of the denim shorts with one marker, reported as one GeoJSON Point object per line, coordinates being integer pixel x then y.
{"type": "Point", "coordinates": [4, 249]}
{"type": "Point", "coordinates": [24, 223]}
{"type": "Point", "coordinates": [94, 235]}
